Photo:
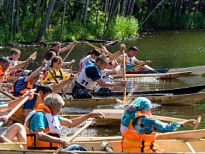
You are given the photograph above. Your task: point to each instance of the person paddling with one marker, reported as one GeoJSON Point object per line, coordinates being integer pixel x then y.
{"type": "Point", "coordinates": [43, 126]}
{"type": "Point", "coordinates": [90, 76]}
{"type": "Point", "coordinates": [131, 59]}
{"type": "Point", "coordinates": [139, 129]}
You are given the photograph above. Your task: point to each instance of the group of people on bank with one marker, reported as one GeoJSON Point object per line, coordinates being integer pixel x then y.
{"type": "Point", "coordinates": [37, 121]}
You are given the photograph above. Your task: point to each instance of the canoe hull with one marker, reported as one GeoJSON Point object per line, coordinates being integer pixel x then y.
{"type": "Point", "coordinates": [172, 75]}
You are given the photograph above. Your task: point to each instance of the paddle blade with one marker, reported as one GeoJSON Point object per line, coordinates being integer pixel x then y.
{"type": "Point", "coordinates": [33, 56]}
{"type": "Point", "coordinates": [1, 123]}
{"type": "Point", "coordinates": [197, 122]}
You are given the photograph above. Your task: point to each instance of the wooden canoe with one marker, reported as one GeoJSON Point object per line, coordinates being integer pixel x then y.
{"type": "Point", "coordinates": [91, 102]}
{"type": "Point", "coordinates": [172, 75]}
{"type": "Point", "coordinates": [185, 99]}
{"type": "Point", "coordinates": [196, 70]}
{"type": "Point", "coordinates": [169, 146]}
{"type": "Point", "coordinates": [174, 91]}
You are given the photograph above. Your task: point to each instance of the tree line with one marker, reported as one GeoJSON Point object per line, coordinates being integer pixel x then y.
{"type": "Point", "coordinates": [68, 20]}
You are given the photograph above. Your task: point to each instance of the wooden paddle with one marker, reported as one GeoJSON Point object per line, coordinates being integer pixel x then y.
{"type": "Point", "coordinates": [117, 114]}
{"type": "Point", "coordinates": [33, 56]}
{"type": "Point", "coordinates": [124, 78]}
{"type": "Point", "coordinates": [76, 134]}
{"type": "Point", "coordinates": [8, 95]}
{"type": "Point", "coordinates": [69, 52]}
{"type": "Point", "coordinates": [15, 109]}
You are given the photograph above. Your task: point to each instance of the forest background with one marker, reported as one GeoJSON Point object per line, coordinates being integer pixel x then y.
{"type": "Point", "coordinates": [35, 21]}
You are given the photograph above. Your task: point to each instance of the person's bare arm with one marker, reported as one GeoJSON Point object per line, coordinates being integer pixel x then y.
{"type": "Point", "coordinates": [35, 73]}
{"type": "Point", "coordinates": [117, 54]}
{"type": "Point", "coordinates": [62, 84]}
{"type": "Point", "coordinates": [40, 135]}
{"type": "Point", "coordinates": [68, 63]}
{"type": "Point", "coordinates": [68, 47]}
{"type": "Point", "coordinates": [77, 121]}
{"type": "Point", "coordinates": [109, 84]}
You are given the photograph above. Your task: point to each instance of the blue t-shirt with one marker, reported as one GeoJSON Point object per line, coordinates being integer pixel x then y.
{"type": "Point", "coordinates": [39, 121]}
{"type": "Point", "coordinates": [93, 73]}
{"type": "Point", "coordinates": [30, 103]}
{"type": "Point", "coordinates": [2, 103]}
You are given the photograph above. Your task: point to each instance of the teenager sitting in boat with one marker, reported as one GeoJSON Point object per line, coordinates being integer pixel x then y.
{"type": "Point", "coordinates": [49, 55]}
{"type": "Point", "coordinates": [93, 55]}
{"type": "Point", "coordinates": [90, 76]}
{"type": "Point", "coordinates": [15, 64]}
{"type": "Point", "coordinates": [27, 82]}
{"type": "Point", "coordinates": [139, 129]}
{"type": "Point", "coordinates": [43, 126]}
{"type": "Point", "coordinates": [132, 60]}
{"type": "Point", "coordinates": [56, 70]}
{"type": "Point", "coordinates": [41, 92]}
{"type": "Point", "coordinates": [56, 47]}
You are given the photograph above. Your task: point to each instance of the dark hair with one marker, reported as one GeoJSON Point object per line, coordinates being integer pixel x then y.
{"type": "Point", "coordinates": [96, 52]}
{"type": "Point", "coordinates": [55, 43]}
{"type": "Point", "coordinates": [56, 59]}
{"type": "Point", "coordinates": [49, 54]}
{"type": "Point", "coordinates": [101, 59]}
{"type": "Point", "coordinates": [44, 88]}
{"type": "Point", "coordinates": [134, 48]}
{"type": "Point", "coordinates": [4, 60]}
{"type": "Point", "coordinates": [14, 51]}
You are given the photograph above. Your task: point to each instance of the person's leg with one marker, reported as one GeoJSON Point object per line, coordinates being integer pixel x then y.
{"type": "Point", "coordinates": [74, 147]}
{"type": "Point", "coordinates": [15, 130]}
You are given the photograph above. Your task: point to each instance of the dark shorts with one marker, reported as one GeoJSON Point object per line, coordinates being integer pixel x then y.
{"type": "Point", "coordinates": [80, 93]}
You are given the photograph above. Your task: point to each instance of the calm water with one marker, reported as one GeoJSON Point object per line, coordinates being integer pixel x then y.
{"type": "Point", "coordinates": [171, 49]}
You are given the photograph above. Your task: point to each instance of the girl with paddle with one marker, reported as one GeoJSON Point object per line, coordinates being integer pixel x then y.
{"type": "Point", "coordinates": [55, 67]}
{"type": "Point", "coordinates": [139, 129]}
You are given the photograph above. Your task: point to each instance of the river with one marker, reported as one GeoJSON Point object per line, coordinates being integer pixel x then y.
{"type": "Point", "coordinates": [171, 49]}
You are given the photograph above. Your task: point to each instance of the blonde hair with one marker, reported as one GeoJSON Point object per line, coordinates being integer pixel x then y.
{"type": "Point", "coordinates": [54, 99]}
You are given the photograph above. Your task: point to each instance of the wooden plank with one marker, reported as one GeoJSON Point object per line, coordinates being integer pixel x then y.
{"type": "Point", "coordinates": [91, 102]}
{"type": "Point", "coordinates": [160, 75]}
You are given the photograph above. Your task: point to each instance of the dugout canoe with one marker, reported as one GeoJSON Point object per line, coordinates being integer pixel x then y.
{"type": "Point", "coordinates": [171, 75]}
{"type": "Point", "coordinates": [196, 70]}
{"type": "Point", "coordinates": [169, 146]}
{"type": "Point", "coordinates": [175, 91]}
{"type": "Point", "coordinates": [184, 99]}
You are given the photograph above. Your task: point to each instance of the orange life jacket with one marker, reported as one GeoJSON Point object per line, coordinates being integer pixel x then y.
{"type": "Point", "coordinates": [2, 73]}
{"type": "Point", "coordinates": [134, 142]}
{"type": "Point", "coordinates": [19, 116]}
{"type": "Point", "coordinates": [23, 91]}
{"type": "Point", "coordinates": [32, 141]}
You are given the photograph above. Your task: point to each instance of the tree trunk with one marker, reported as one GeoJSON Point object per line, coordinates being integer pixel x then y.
{"type": "Point", "coordinates": [123, 8]}
{"type": "Point", "coordinates": [63, 19]}
{"type": "Point", "coordinates": [202, 20]}
{"type": "Point", "coordinates": [97, 12]}
{"type": "Point", "coordinates": [195, 10]}
{"type": "Point", "coordinates": [12, 14]}
{"type": "Point", "coordinates": [105, 11]}
{"type": "Point", "coordinates": [17, 17]}
{"type": "Point", "coordinates": [186, 14]}
{"type": "Point", "coordinates": [36, 12]}
{"type": "Point", "coordinates": [131, 8]}
{"type": "Point", "coordinates": [46, 21]}
{"type": "Point", "coordinates": [85, 12]}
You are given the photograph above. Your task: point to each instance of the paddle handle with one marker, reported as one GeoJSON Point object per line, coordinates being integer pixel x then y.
{"type": "Point", "coordinates": [75, 135]}
{"type": "Point", "coordinates": [124, 77]}
{"type": "Point", "coordinates": [8, 95]}
{"type": "Point", "coordinates": [69, 52]}
{"type": "Point", "coordinates": [15, 109]}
